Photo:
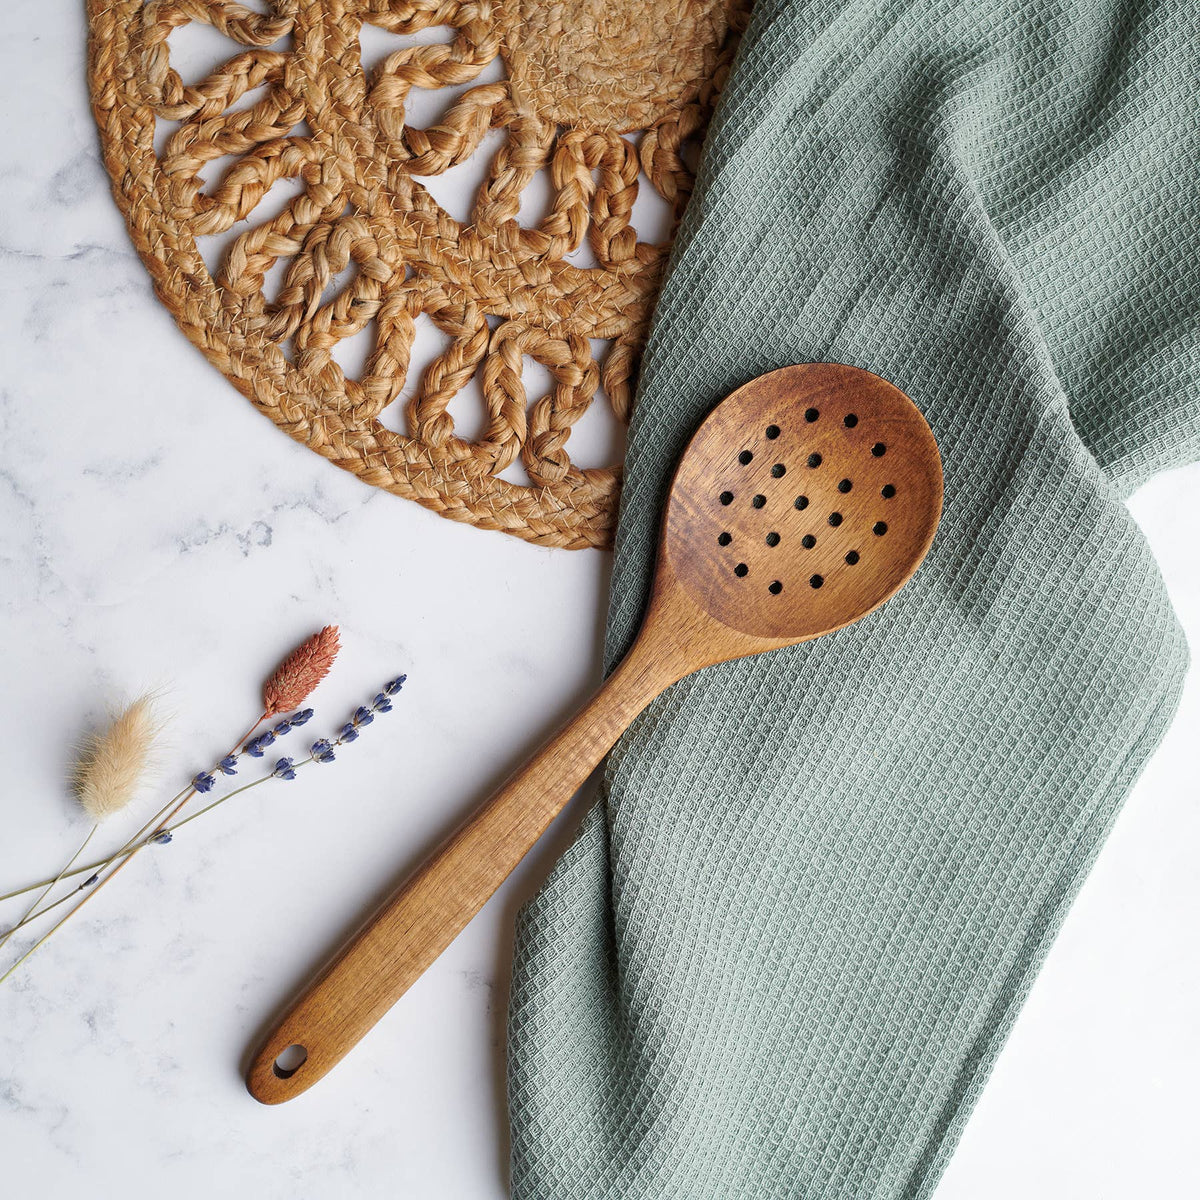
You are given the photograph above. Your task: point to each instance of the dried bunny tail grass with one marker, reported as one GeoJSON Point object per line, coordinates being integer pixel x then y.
{"type": "Point", "coordinates": [296, 677]}
{"type": "Point", "coordinates": [112, 763]}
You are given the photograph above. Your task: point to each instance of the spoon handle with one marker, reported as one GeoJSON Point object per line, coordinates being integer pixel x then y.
{"type": "Point", "coordinates": [404, 937]}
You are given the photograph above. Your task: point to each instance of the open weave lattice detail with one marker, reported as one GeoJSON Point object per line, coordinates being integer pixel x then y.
{"type": "Point", "coordinates": [295, 102]}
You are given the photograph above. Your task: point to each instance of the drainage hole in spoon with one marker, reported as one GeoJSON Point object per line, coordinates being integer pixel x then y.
{"type": "Point", "coordinates": [290, 1060]}
{"type": "Point", "coordinates": [772, 538]}
{"type": "Point", "coordinates": [724, 539]}
{"type": "Point", "coordinates": [741, 570]}
{"type": "Point", "coordinates": [775, 588]}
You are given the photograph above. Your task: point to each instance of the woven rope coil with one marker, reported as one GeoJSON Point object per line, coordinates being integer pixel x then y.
{"type": "Point", "coordinates": [294, 102]}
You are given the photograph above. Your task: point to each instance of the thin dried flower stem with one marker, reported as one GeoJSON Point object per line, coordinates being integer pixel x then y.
{"type": "Point", "coordinates": [63, 920]}
{"type": "Point", "coordinates": [100, 862]}
{"type": "Point", "coordinates": [127, 848]}
{"type": "Point", "coordinates": [44, 938]}
{"type": "Point", "coordinates": [31, 916]}
{"type": "Point", "coordinates": [33, 887]}
{"type": "Point", "coordinates": [139, 836]}
{"type": "Point", "coordinates": [131, 847]}
{"type": "Point", "coordinates": [288, 686]}
{"type": "Point", "coordinates": [108, 773]}
{"type": "Point", "coordinates": [32, 911]}
{"type": "Point", "coordinates": [134, 844]}
{"type": "Point", "coordinates": [172, 806]}
{"type": "Point", "coordinates": [291, 684]}
{"type": "Point", "coordinates": [163, 826]}
{"type": "Point", "coordinates": [229, 796]}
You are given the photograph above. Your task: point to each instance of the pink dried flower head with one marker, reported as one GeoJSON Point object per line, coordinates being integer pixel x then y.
{"type": "Point", "coordinates": [295, 678]}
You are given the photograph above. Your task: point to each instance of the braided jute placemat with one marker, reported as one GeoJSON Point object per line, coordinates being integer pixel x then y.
{"type": "Point", "coordinates": [363, 243]}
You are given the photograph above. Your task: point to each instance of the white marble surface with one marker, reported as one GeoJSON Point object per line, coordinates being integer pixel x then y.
{"type": "Point", "coordinates": [156, 532]}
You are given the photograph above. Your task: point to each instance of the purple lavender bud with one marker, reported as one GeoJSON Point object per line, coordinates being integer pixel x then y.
{"type": "Point", "coordinates": [282, 728]}
{"type": "Point", "coordinates": [363, 716]}
{"type": "Point", "coordinates": [396, 684]}
{"type": "Point", "coordinates": [349, 733]}
{"type": "Point", "coordinates": [302, 717]}
{"type": "Point", "coordinates": [89, 881]}
{"type": "Point", "coordinates": [204, 782]}
{"type": "Point", "coordinates": [161, 839]}
{"type": "Point", "coordinates": [228, 765]}
{"type": "Point", "coordinates": [284, 769]}
{"type": "Point", "coordinates": [256, 747]}
{"type": "Point", "coordinates": [381, 703]}
{"type": "Point", "coordinates": [322, 751]}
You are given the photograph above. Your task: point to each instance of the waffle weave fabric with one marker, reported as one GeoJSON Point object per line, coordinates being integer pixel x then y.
{"type": "Point", "coordinates": [785, 949]}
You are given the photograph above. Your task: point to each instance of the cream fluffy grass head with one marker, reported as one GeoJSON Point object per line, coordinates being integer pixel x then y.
{"type": "Point", "coordinates": [113, 762]}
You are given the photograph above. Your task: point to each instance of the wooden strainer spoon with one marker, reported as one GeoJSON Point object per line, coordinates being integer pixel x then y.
{"type": "Point", "coordinates": [806, 499]}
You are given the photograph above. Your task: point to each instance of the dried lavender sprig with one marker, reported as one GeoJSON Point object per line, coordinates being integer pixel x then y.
{"type": "Point", "coordinates": [285, 768]}
{"type": "Point", "coordinates": [161, 837]}
{"type": "Point", "coordinates": [205, 780]}
{"type": "Point", "coordinates": [290, 685]}
{"type": "Point", "coordinates": [321, 751]}
{"type": "Point", "coordinates": [237, 792]}
{"type": "Point", "coordinates": [119, 857]}
{"type": "Point", "coordinates": [226, 766]}
{"type": "Point", "coordinates": [103, 862]}
{"type": "Point", "coordinates": [256, 747]}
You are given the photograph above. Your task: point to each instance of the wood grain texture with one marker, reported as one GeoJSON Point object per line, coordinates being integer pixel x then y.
{"type": "Point", "coordinates": [806, 499]}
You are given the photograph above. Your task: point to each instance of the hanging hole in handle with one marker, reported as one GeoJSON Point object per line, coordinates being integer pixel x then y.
{"type": "Point", "coordinates": [289, 1061]}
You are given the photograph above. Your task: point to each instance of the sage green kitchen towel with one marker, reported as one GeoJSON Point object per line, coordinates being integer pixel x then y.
{"type": "Point", "coordinates": [787, 945]}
